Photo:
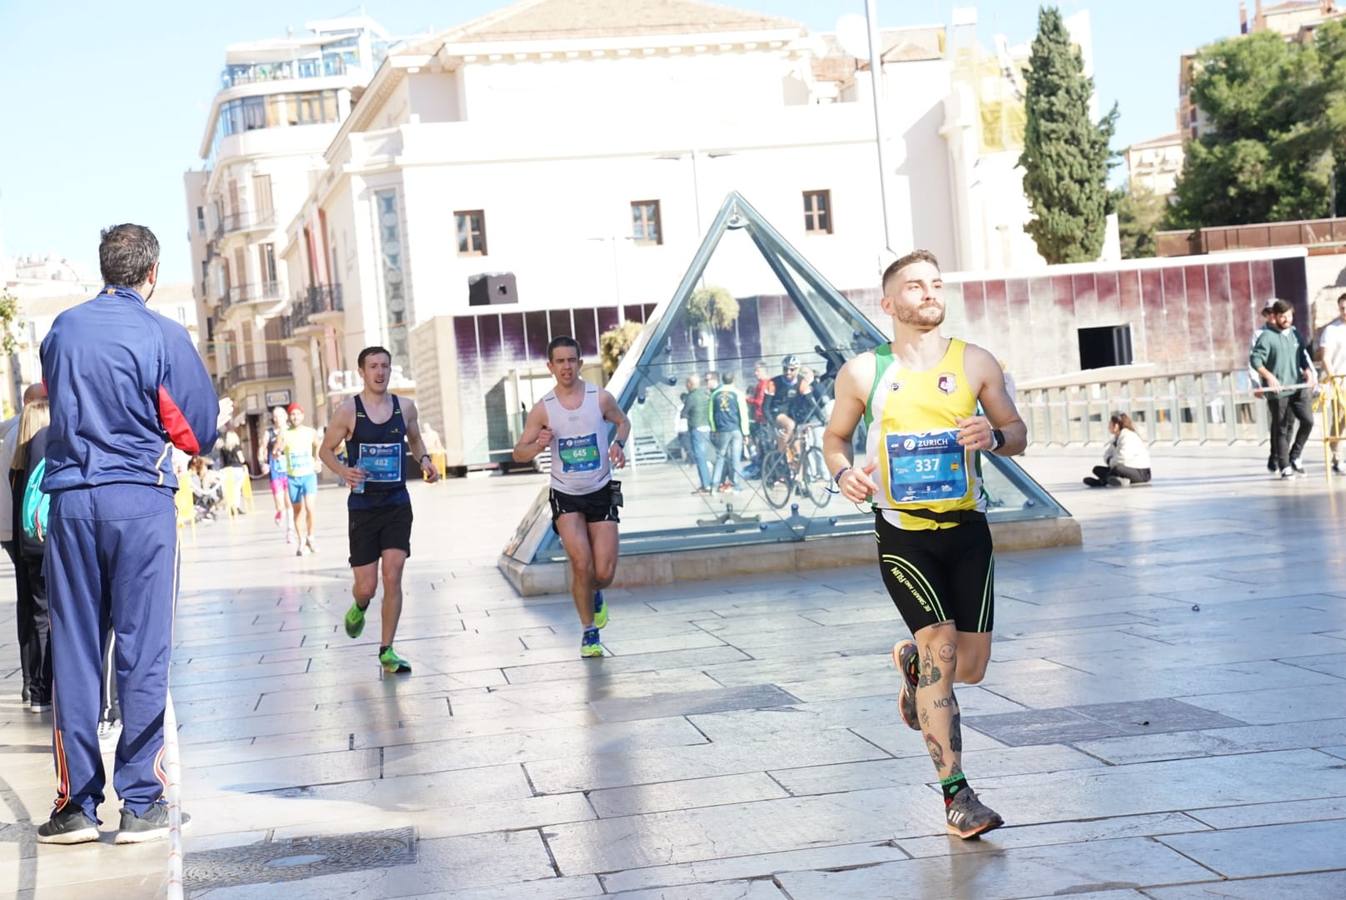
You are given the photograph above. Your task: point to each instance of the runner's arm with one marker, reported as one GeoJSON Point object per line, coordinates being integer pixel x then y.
{"type": "Point", "coordinates": [338, 430]}
{"type": "Point", "coordinates": [974, 432]}
{"type": "Point", "coordinates": [613, 413]}
{"type": "Point", "coordinates": [417, 445]}
{"type": "Point", "coordinates": [838, 453]}
{"type": "Point", "coordinates": [536, 435]}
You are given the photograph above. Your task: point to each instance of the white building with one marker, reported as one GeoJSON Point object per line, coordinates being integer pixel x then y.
{"type": "Point", "coordinates": [279, 106]}
{"type": "Point", "coordinates": [47, 285]}
{"type": "Point", "coordinates": [581, 147]}
{"type": "Point", "coordinates": [1155, 165]}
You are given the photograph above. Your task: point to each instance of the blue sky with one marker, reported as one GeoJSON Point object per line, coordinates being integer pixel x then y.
{"type": "Point", "coordinates": [104, 104]}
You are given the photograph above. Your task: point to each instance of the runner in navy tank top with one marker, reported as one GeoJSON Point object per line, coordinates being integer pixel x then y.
{"type": "Point", "coordinates": [377, 427]}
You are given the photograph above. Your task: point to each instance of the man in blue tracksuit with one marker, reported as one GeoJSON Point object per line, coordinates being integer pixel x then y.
{"type": "Point", "coordinates": [126, 385]}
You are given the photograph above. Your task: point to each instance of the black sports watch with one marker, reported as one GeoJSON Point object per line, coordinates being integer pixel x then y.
{"type": "Point", "coordinates": [997, 439]}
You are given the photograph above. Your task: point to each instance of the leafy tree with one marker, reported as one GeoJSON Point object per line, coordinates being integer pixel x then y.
{"type": "Point", "coordinates": [613, 344]}
{"type": "Point", "coordinates": [1139, 213]}
{"type": "Point", "coordinates": [1276, 135]}
{"type": "Point", "coordinates": [9, 317]}
{"type": "Point", "coordinates": [1066, 155]}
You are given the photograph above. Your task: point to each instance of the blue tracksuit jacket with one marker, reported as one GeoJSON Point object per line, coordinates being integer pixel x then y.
{"type": "Point", "coordinates": [124, 382]}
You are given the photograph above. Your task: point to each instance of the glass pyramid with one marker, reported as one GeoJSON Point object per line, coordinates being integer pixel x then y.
{"type": "Point", "coordinates": [782, 497]}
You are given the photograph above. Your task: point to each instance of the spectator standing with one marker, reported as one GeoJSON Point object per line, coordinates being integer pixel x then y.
{"type": "Point", "coordinates": [1281, 358]}
{"type": "Point", "coordinates": [729, 425]}
{"type": "Point", "coordinates": [125, 382]}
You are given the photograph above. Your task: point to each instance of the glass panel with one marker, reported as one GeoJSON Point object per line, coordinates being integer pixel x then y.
{"type": "Point", "coordinates": [714, 467]}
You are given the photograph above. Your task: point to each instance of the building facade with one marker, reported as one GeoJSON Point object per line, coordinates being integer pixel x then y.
{"type": "Point", "coordinates": [554, 156]}
{"type": "Point", "coordinates": [1155, 165]}
{"type": "Point", "coordinates": [279, 105]}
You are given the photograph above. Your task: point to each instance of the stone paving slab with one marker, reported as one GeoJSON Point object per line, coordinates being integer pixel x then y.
{"type": "Point", "coordinates": [743, 739]}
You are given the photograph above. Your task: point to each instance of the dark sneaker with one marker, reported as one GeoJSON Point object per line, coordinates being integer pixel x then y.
{"type": "Point", "coordinates": [69, 826]}
{"type": "Point", "coordinates": [1336, 467]}
{"type": "Point", "coordinates": [600, 611]}
{"type": "Point", "coordinates": [1093, 482]}
{"type": "Point", "coordinates": [903, 654]}
{"type": "Point", "coordinates": [1298, 467]}
{"type": "Point", "coordinates": [590, 647]}
{"type": "Point", "coordinates": [1271, 465]}
{"type": "Point", "coordinates": [968, 817]}
{"type": "Point", "coordinates": [151, 826]}
{"type": "Point", "coordinates": [1114, 481]}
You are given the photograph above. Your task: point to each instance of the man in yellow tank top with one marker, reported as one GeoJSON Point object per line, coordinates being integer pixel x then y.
{"type": "Point", "coordinates": [919, 397]}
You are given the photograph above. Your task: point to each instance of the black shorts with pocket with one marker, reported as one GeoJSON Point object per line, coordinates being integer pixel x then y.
{"type": "Point", "coordinates": [939, 575]}
{"type": "Point", "coordinates": [598, 506]}
{"type": "Point", "coordinates": [377, 529]}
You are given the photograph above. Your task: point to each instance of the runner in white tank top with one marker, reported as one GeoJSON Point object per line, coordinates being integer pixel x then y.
{"type": "Point", "coordinates": [575, 422]}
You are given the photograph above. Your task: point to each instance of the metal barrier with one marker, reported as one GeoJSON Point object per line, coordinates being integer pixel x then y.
{"type": "Point", "coordinates": [1211, 406]}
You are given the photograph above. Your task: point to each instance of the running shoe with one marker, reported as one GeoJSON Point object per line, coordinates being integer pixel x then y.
{"type": "Point", "coordinates": [109, 731]}
{"type": "Point", "coordinates": [299, 551]}
{"type": "Point", "coordinates": [39, 706]}
{"type": "Point", "coordinates": [903, 655]}
{"type": "Point", "coordinates": [600, 611]}
{"type": "Point", "coordinates": [69, 826]}
{"type": "Point", "coordinates": [394, 664]}
{"type": "Point", "coordinates": [279, 516]}
{"type": "Point", "coordinates": [308, 542]}
{"type": "Point", "coordinates": [149, 826]}
{"type": "Point", "coordinates": [1298, 467]}
{"type": "Point", "coordinates": [968, 817]}
{"type": "Point", "coordinates": [355, 620]}
{"type": "Point", "coordinates": [1336, 467]}
{"type": "Point", "coordinates": [589, 645]}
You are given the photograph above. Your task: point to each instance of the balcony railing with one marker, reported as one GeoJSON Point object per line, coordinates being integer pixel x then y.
{"type": "Point", "coordinates": [286, 70]}
{"type": "Point", "coordinates": [251, 293]}
{"type": "Point", "coordinates": [266, 370]}
{"type": "Point", "coordinates": [323, 298]}
{"type": "Point", "coordinates": [247, 220]}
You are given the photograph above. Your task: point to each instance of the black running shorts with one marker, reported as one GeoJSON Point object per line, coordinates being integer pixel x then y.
{"type": "Point", "coordinates": [381, 528]}
{"type": "Point", "coordinates": [943, 575]}
{"type": "Point", "coordinates": [598, 506]}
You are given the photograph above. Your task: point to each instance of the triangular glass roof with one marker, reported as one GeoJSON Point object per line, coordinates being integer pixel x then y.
{"type": "Point", "coordinates": [781, 497]}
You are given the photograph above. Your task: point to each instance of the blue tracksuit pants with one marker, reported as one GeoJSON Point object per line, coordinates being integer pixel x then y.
{"type": "Point", "coordinates": [111, 553]}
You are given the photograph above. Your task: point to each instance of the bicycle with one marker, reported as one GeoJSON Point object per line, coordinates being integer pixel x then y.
{"type": "Point", "coordinates": [802, 471]}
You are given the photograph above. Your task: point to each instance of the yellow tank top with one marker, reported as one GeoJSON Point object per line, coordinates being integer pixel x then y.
{"type": "Point", "coordinates": [913, 435]}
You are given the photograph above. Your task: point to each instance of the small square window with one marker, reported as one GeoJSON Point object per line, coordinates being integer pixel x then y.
{"type": "Point", "coordinates": [645, 226]}
{"type": "Point", "coordinates": [818, 212]}
{"type": "Point", "coordinates": [471, 232]}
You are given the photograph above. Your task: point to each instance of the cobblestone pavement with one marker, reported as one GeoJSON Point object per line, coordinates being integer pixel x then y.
{"type": "Point", "coordinates": [1165, 716]}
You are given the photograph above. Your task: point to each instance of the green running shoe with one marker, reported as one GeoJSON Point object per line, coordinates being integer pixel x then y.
{"type": "Point", "coordinates": [600, 611]}
{"type": "Point", "coordinates": [589, 645]}
{"type": "Point", "coordinates": [355, 620]}
{"type": "Point", "coordinates": [394, 664]}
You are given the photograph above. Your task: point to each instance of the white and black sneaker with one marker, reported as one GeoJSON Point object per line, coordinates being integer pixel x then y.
{"type": "Point", "coordinates": [151, 826]}
{"type": "Point", "coordinates": [69, 826]}
{"type": "Point", "coordinates": [1298, 467]}
{"type": "Point", "coordinates": [1287, 472]}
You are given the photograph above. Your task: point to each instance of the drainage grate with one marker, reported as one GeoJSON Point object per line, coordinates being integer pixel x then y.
{"type": "Point", "coordinates": [295, 859]}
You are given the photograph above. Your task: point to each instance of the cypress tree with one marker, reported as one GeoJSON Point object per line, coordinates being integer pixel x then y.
{"type": "Point", "coordinates": [1066, 155]}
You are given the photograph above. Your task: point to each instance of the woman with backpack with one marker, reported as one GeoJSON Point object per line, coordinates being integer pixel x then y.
{"type": "Point", "coordinates": [30, 522]}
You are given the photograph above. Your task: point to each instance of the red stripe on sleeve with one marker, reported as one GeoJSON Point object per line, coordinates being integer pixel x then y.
{"type": "Point", "coordinates": [175, 423]}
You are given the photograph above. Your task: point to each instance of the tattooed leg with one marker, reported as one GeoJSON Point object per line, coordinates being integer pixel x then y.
{"type": "Point", "coordinates": [939, 716]}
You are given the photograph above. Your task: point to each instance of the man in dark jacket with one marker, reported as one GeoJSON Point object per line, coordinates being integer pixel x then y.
{"type": "Point", "coordinates": [126, 385]}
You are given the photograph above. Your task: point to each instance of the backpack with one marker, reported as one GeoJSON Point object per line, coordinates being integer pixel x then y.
{"type": "Point", "coordinates": [36, 503]}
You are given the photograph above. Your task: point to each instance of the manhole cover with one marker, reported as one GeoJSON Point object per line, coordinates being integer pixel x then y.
{"type": "Point", "coordinates": [295, 859]}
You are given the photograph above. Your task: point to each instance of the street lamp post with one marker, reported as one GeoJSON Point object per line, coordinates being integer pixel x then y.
{"type": "Point", "coordinates": [876, 77]}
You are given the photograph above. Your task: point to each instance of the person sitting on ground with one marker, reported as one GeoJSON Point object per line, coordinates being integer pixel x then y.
{"type": "Point", "coordinates": [1126, 458]}
{"type": "Point", "coordinates": [207, 488]}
